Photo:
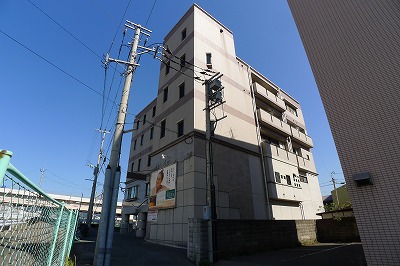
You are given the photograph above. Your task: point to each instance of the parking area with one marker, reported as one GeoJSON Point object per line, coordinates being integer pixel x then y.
{"type": "Point", "coordinates": [129, 250]}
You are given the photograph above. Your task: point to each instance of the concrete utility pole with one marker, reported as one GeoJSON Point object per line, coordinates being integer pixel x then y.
{"type": "Point", "coordinates": [42, 170]}
{"type": "Point", "coordinates": [213, 98]}
{"type": "Point", "coordinates": [95, 174]}
{"type": "Point", "coordinates": [334, 187]}
{"type": "Point", "coordinates": [113, 173]}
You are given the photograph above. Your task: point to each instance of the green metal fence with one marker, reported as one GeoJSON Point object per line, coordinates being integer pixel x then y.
{"type": "Point", "coordinates": [35, 229]}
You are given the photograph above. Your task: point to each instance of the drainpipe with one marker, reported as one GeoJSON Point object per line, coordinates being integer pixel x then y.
{"type": "Point", "coordinates": [269, 209]}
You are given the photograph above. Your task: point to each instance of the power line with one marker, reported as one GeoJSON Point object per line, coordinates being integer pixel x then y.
{"type": "Point", "coordinates": [54, 65]}
{"type": "Point", "coordinates": [73, 36]}
{"type": "Point", "coordinates": [119, 26]}
{"type": "Point", "coordinates": [151, 11]}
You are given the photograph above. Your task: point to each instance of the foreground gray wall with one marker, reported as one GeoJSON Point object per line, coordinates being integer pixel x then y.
{"type": "Point", "coordinates": [353, 49]}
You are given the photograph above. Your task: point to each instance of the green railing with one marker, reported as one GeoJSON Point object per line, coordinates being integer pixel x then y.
{"type": "Point", "coordinates": [35, 229]}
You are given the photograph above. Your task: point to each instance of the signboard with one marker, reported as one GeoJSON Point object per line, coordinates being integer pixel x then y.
{"type": "Point", "coordinates": [152, 215]}
{"type": "Point", "coordinates": [162, 188]}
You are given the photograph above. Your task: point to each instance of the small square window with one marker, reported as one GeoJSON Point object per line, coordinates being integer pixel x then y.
{"type": "Point", "coordinates": [141, 139]}
{"type": "Point", "coordinates": [149, 160]}
{"type": "Point", "coordinates": [180, 128]}
{"type": "Point", "coordinates": [183, 60]}
{"type": "Point", "coordinates": [181, 90]}
{"type": "Point", "coordinates": [165, 96]}
{"type": "Point", "coordinates": [154, 111]}
{"type": "Point", "coordinates": [183, 34]}
{"type": "Point", "coordinates": [144, 119]}
{"type": "Point", "coordinates": [162, 130]}
{"type": "Point", "coordinates": [151, 132]}
{"type": "Point", "coordinates": [208, 58]}
{"type": "Point", "coordinates": [167, 67]}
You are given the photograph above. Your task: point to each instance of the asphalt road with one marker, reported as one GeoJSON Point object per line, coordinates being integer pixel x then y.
{"type": "Point", "coordinates": [129, 250]}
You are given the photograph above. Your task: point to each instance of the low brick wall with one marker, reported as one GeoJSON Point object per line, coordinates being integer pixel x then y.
{"type": "Point", "coordinates": [343, 230]}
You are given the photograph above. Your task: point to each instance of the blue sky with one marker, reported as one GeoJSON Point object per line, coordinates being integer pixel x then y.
{"type": "Point", "coordinates": [48, 118]}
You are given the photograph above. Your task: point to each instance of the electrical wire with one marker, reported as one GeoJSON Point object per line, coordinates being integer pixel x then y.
{"type": "Point", "coordinates": [67, 31]}
{"type": "Point", "coordinates": [54, 65]}
{"type": "Point", "coordinates": [119, 26]}
{"type": "Point", "coordinates": [151, 11]}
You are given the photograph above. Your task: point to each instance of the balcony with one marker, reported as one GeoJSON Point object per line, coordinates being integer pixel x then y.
{"type": "Point", "coordinates": [274, 122]}
{"type": "Point", "coordinates": [306, 161]}
{"type": "Point", "coordinates": [303, 138]}
{"type": "Point", "coordinates": [268, 96]}
{"type": "Point", "coordinates": [279, 153]}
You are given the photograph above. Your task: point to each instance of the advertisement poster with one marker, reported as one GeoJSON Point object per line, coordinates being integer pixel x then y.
{"type": "Point", "coordinates": [152, 215]}
{"type": "Point", "coordinates": [162, 188]}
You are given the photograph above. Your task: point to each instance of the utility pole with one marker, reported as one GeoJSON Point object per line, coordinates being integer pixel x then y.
{"type": "Point", "coordinates": [113, 173]}
{"type": "Point", "coordinates": [95, 174]}
{"type": "Point", "coordinates": [213, 99]}
{"type": "Point", "coordinates": [334, 186]}
{"type": "Point", "coordinates": [42, 170]}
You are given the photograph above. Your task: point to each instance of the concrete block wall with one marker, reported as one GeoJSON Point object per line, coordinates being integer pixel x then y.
{"type": "Point", "coordinates": [343, 230]}
{"type": "Point", "coordinates": [240, 237]}
{"type": "Point", "coordinates": [197, 246]}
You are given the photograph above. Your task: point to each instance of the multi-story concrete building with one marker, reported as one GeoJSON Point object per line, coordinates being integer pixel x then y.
{"type": "Point", "coordinates": [353, 49]}
{"type": "Point", "coordinates": [263, 164]}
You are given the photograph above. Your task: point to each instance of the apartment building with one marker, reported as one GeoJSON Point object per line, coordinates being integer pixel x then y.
{"type": "Point", "coordinates": [353, 50]}
{"type": "Point", "coordinates": [263, 164]}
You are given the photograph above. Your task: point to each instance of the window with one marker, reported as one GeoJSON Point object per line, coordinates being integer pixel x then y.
{"type": "Point", "coordinates": [183, 60]}
{"type": "Point", "coordinates": [144, 119]}
{"type": "Point", "coordinates": [167, 66]}
{"type": "Point", "coordinates": [132, 192]}
{"type": "Point", "coordinates": [135, 191]}
{"type": "Point", "coordinates": [291, 109]}
{"type": "Point", "coordinates": [134, 144]}
{"type": "Point", "coordinates": [181, 90]}
{"type": "Point", "coordinates": [128, 193]}
{"type": "Point", "coordinates": [137, 124]}
{"type": "Point", "coordinates": [288, 180]}
{"type": "Point", "coordinates": [154, 111]}
{"type": "Point", "coordinates": [162, 130]}
{"type": "Point", "coordinates": [303, 178]}
{"type": "Point", "coordinates": [141, 139]}
{"type": "Point", "coordinates": [165, 97]}
{"type": "Point", "coordinates": [183, 34]}
{"type": "Point", "coordinates": [132, 165]}
{"type": "Point", "coordinates": [148, 160]}
{"type": "Point", "coordinates": [147, 189]}
{"type": "Point", "coordinates": [151, 132]}
{"type": "Point", "coordinates": [277, 177]}
{"type": "Point", "coordinates": [208, 58]}
{"type": "Point", "coordinates": [139, 163]}
{"type": "Point", "coordinates": [180, 128]}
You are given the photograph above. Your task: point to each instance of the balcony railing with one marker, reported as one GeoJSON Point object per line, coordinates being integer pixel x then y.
{"type": "Point", "coordinates": [306, 161]}
{"type": "Point", "coordinates": [269, 96]}
{"type": "Point", "coordinates": [303, 138]}
{"type": "Point", "coordinates": [279, 153]}
{"type": "Point", "coordinates": [274, 122]}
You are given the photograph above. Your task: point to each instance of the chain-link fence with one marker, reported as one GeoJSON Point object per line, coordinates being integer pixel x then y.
{"type": "Point", "coordinates": [35, 229]}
